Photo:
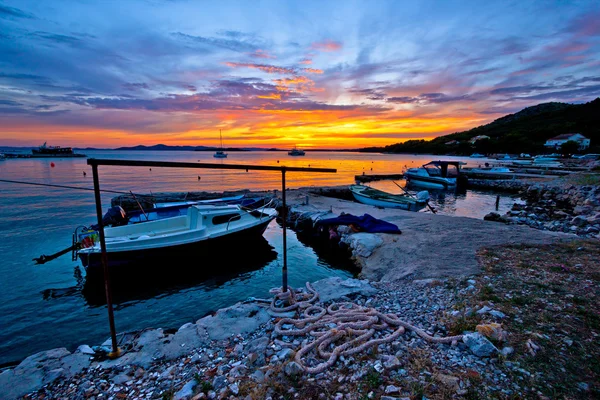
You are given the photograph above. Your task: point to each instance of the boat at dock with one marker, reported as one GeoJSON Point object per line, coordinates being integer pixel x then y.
{"type": "Point", "coordinates": [54, 151]}
{"type": "Point", "coordinates": [198, 231]}
{"type": "Point", "coordinates": [378, 198]}
{"type": "Point", "coordinates": [490, 170]}
{"type": "Point", "coordinates": [436, 175]}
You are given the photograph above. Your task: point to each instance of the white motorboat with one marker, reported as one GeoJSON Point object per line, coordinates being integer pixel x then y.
{"type": "Point", "coordinates": [435, 175]}
{"type": "Point", "coordinates": [491, 170]}
{"type": "Point", "coordinates": [203, 227]}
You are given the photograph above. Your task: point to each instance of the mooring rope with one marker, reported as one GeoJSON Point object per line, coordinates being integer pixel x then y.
{"type": "Point", "coordinates": [294, 299]}
{"type": "Point", "coordinates": [342, 329]}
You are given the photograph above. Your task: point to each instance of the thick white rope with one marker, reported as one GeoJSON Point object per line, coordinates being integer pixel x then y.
{"type": "Point", "coordinates": [342, 329]}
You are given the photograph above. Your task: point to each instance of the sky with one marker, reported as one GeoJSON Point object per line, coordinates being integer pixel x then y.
{"type": "Point", "coordinates": [311, 74]}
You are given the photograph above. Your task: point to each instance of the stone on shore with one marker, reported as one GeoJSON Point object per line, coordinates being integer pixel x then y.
{"type": "Point", "coordinates": [479, 345]}
{"type": "Point", "coordinates": [362, 244]}
{"type": "Point", "coordinates": [238, 319]}
{"type": "Point", "coordinates": [41, 369]}
{"type": "Point", "coordinates": [335, 288]}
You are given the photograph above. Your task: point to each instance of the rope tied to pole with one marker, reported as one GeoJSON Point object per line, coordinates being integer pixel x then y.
{"type": "Point", "coordinates": [290, 300]}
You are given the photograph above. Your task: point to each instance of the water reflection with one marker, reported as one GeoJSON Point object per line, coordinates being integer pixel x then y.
{"type": "Point", "coordinates": [171, 273]}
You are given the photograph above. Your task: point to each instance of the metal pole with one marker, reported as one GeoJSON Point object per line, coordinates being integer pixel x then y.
{"type": "Point", "coordinates": [284, 216]}
{"type": "Point", "coordinates": [116, 352]}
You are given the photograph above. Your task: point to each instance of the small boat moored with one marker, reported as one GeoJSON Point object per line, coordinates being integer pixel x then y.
{"type": "Point", "coordinates": [203, 227]}
{"type": "Point", "coordinates": [436, 175]}
{"type": "Point", "coordinates": [378, 198]}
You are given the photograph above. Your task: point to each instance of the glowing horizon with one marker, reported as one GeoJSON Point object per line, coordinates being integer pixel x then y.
{"type": "Point", "coordinates": [283, 74]}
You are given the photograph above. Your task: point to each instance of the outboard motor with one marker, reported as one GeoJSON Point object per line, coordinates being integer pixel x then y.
{"type": "Point", "coordinates": [462, 182]}
{"type": "Point", "coordinates": [423, 195]}
{"type": "Point", "coordinates": [115, 216]}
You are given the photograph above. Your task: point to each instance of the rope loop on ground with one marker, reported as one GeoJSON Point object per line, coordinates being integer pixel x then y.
{"type": "Point", "coordinates": [341, 329]}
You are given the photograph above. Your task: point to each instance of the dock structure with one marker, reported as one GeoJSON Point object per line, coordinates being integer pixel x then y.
{"type": "Point", "coordinates": [380, 177]}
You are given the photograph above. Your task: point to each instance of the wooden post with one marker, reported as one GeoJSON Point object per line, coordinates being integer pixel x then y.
{"type": "Point", "coordinates": [497, 202]}
{"type": "Point", "coordinates": [116, 352]}
{"type": "Point", "coordinates": [284, 217]}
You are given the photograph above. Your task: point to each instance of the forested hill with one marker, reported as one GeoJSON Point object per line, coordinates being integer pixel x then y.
{"type": "Point", "coordinates": [522, 132]}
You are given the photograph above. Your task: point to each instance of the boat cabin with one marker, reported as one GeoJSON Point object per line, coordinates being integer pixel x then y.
{"type": "Point", "coordinates": [443, 169]}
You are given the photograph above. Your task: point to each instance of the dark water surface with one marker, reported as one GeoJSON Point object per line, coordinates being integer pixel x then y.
{"type": "Point", "coordinates": [44, 306]}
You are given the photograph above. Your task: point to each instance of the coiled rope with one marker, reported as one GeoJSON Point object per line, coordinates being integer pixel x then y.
{"type": "Point", "coordinates": [341, 329]}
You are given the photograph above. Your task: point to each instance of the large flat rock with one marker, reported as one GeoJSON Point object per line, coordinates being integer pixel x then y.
{"type": "Point", "coordinates": [431, 245]}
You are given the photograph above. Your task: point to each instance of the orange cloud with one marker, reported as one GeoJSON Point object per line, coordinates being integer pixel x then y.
{"type": "Point", "coordinates": [326, 45]}
{"type": "Point", "coordinates": [274, 96]}
{"type": "Point", "coordinates": [306, 61]}
{"type": "Point", "coordinates": [298, 84]}
{"type": "Point", "coordinates": [313, 70]}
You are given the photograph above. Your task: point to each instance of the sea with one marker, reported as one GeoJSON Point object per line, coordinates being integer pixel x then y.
{"type": "Point", "coordinates": [46, 306]}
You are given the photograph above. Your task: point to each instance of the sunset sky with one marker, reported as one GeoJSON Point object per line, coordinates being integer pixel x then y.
{"type": "Point", "coordinates": [316, 74]}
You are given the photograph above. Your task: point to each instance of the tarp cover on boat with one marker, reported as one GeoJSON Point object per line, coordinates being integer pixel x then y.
{"type": "Point", "coordinates": [366, 223]}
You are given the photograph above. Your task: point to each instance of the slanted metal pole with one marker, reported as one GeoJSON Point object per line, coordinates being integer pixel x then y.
{"type": "Point", "coordinates": [116, 352]}
{"type": "Point", "coordinates": [284, 215]}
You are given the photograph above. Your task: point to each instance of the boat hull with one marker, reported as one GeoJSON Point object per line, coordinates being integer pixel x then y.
{"type": "Point", "coordinates": [144, 258]}
{"type": "Point", "coordinates": [385, 204]}
{"type": "Point", "coordinates": [429, 182]}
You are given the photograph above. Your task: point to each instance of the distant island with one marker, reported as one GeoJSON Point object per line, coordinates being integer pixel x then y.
{"type": "Point", "coordinates": [208, 148]}
{"type": "Point", "coordinates": [522, 132]}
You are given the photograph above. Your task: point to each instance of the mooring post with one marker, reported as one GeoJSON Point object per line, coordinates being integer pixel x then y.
{"type": "Point", "coordinates": [116, 352]}
{"type": "Point", "coordinates": [284, 217]}
{"type": "Point", "coordinates": [497, 202]}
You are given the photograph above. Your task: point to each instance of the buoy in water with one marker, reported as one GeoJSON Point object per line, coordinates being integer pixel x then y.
{"type": "Point", "coordinates": [52, 164]}
{"type": "Point", "coordinates": [199, 177]}
{"type": "Point", "coordinates": [84, 174]}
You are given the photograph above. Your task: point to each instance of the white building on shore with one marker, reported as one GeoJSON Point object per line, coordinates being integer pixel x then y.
{"type": "Point", "coordinates": [559, 140]}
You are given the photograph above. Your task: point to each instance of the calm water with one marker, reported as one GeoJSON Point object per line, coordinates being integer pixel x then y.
{"type": "Point", "coordinates": [43, 306]}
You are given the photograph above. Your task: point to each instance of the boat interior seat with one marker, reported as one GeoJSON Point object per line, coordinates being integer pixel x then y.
{"type": "Point", "coordinates": [192, 216]}
{"type": "Point", "coordinates": [162, 225]}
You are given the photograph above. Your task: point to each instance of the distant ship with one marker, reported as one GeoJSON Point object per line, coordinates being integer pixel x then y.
{"type": "Point", "coordinates": [54, 151]}
{"type": "Point", "coordinates": [296, 152]}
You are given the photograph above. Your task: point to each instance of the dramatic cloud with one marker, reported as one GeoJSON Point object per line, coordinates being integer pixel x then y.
{"type": "Point", "coordinates": [11, 12]}
{"type": "Point", "coordinates": [232, 42]}
{"type": "Point", "coordinates": [270, 69]}
{"type": "Point", "coordinates": [143, 72]}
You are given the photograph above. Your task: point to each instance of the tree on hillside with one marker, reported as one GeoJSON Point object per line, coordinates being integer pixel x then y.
{"type": "Point", "coordinates": [569, 147]}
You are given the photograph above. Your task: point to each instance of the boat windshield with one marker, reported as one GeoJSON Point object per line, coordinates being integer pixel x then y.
{"type": "Point", "coordinates": [433, 170]}
{"type": "Point", "coordinates": [442, 169]}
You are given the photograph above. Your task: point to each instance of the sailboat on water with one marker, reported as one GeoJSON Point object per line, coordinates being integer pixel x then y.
{"type": "Point", "coordinates": [220, 153]}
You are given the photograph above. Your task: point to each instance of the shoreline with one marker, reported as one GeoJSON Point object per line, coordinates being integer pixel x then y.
{"type": "Point", "coordinates": [379, 260]}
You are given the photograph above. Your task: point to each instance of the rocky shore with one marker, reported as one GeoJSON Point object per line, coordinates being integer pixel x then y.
{"type": "Point", "coordinates": [237, 353]}
{"type": "Point", "coordinates": [569, 205]}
